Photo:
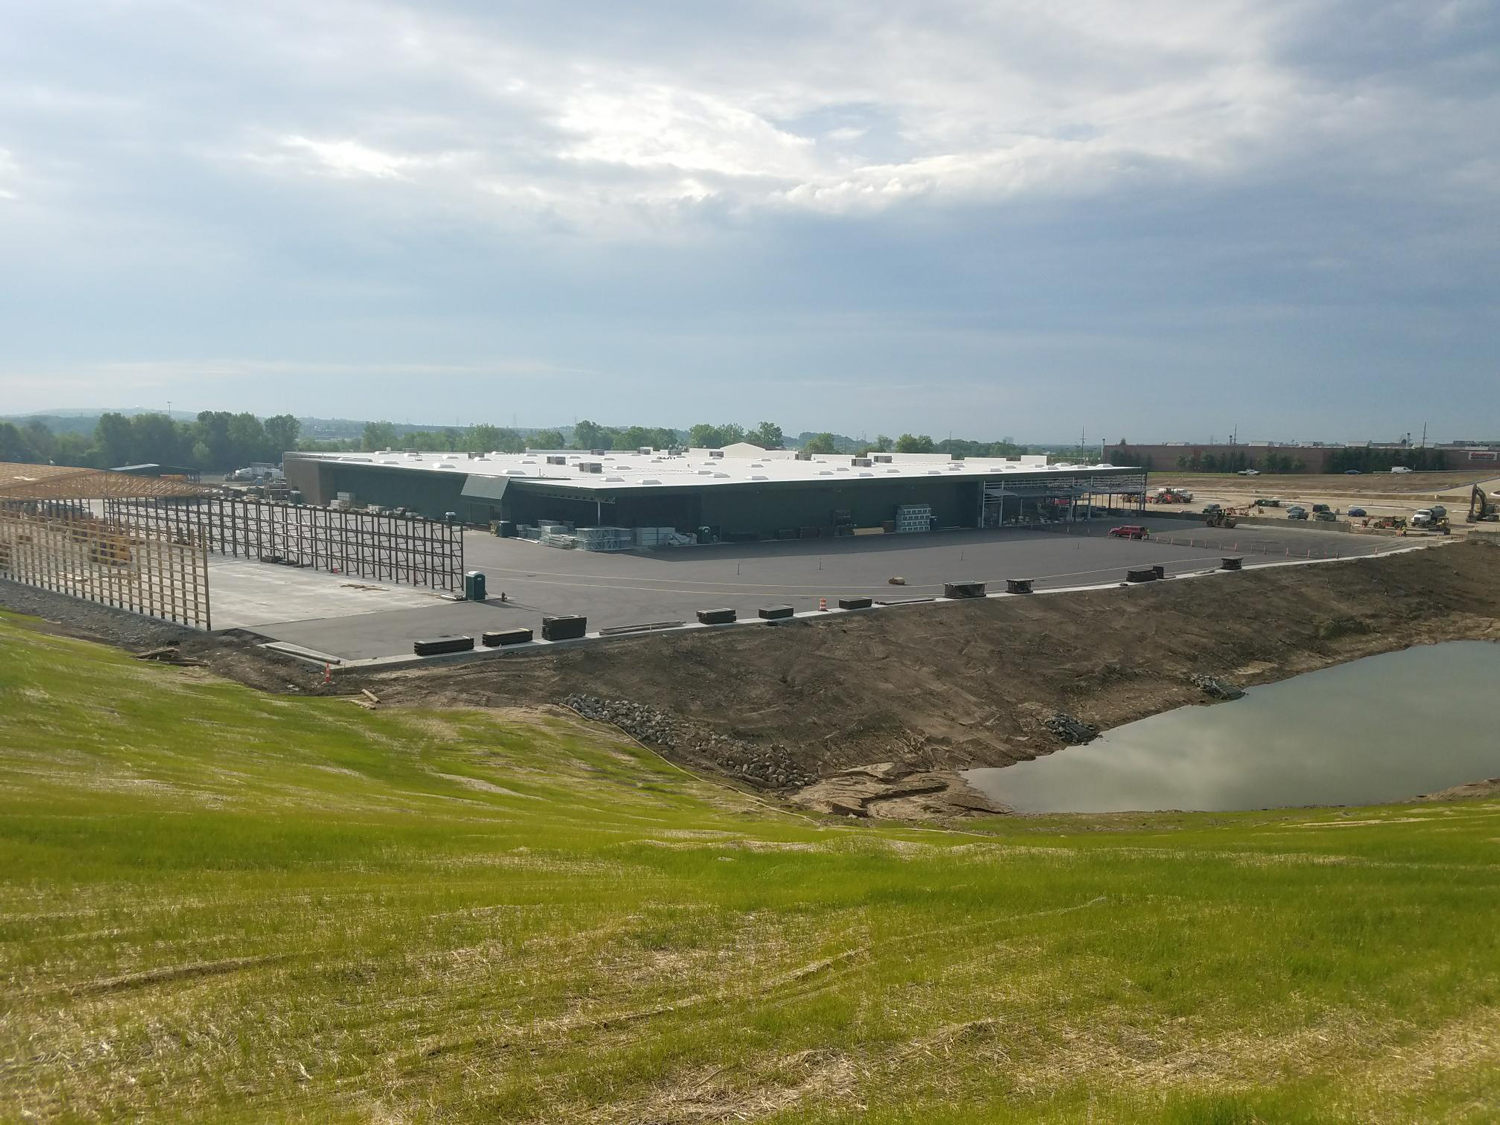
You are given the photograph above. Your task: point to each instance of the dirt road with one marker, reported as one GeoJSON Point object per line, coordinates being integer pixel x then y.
{"type": "Point", "coordinates": [1379, 494]}
{"type": "Point", "coordinates": [944, 687]}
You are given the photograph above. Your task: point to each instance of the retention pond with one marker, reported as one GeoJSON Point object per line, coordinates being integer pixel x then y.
{"type": "Point", "coordinates": [1379, 729]}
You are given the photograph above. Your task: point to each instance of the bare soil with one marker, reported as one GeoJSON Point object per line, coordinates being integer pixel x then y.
{"type": "Point", "coordinates": [1403, 486]}
{"type": "Point", "coordinates": [876, 711]}
{"type": "Point", "coordinates": [953, 686]}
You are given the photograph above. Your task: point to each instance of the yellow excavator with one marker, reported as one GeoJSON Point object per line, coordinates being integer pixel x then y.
{"type": "Point", "coordinates": [1481, 508]}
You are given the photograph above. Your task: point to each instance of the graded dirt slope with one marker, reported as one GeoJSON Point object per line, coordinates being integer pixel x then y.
{"type": "Point", "coordinates": [964, 684]}
{"type": "Point", "coordinates": [221, 905]}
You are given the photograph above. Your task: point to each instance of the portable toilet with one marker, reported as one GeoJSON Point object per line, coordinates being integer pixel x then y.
{"type": "Point", "coordinates": [474, 586]}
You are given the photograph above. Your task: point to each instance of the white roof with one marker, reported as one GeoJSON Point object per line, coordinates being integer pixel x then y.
{"type": "Point", "coordinates": [629, 470]}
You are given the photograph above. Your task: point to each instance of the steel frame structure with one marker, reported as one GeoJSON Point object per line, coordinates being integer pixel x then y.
{"type": "Point", "coordinates": [1074, 489]}
{"type": "Point", "coordinates": [405, 549]}
{"type": "Point", "coordinates": [66, 548]}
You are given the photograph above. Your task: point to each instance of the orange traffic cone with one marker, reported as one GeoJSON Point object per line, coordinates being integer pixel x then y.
{"type": "Point", "coordinates": [823, 604]}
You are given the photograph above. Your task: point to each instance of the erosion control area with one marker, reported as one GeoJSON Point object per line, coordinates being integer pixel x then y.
{"type": "Point", "coordinates": [942, 688]}
{"type": "Point", "coordinates": [874, 713]}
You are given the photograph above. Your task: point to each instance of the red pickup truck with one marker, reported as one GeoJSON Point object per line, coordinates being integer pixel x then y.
{"type": "Point", "coordinates": [1130, 531]}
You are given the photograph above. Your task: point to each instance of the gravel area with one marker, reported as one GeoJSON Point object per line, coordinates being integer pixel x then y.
{"type": "Point", "coordinates": [90, 619]}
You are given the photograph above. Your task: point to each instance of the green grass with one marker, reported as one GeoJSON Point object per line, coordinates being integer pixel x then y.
{"type": "Point", "coordinates": [216, 904]}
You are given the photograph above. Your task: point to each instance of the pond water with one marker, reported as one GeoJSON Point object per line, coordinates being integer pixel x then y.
{"type": "Point", "coordinates": [1379, 729]}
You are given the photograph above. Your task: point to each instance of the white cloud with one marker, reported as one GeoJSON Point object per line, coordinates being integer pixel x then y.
{"type": "Point", "coordinates": [350, 158]}
{"type": "Point", "coordinates": [10, 175]}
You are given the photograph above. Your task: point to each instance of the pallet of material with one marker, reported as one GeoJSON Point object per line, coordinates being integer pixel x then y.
{"type": "Point", "coordinates": [435, 646]}
{"type": "Point", "coordinates": [564, 628]}
{"type": "Point", "coordinates": [775, 612]}
{"type": "Point", "coordinates": [856, 603]}
{"type": "Point", "coordinates": [497, 637]}
{"type": "Point", "coordinates": [716, 616]}
{"type": "Point", "coordinates": [963, 589]}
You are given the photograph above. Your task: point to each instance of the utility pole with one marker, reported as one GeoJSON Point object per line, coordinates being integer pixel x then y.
{"type": "Point", "coordinates": [1424, 435]}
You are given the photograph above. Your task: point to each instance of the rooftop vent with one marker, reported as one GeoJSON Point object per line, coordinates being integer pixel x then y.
{"type": "Point", "coordinates": [649, 480]}
{"type": "Point", "coordinates": [757, 476]}
{"type": "Point", "coordinates": [721, 476]}
{"type": "Point", "coordinates": [614, 480]}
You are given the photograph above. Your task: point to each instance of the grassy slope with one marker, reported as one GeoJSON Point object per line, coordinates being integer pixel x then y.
{"type": "Point", "coordinates": [218, 904]}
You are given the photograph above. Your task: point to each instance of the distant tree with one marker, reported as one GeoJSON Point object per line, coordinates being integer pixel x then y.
{"type": "Point", "coordinates": [883, 443]}
{"type": "Point", "coordinates": [282, 431]}
{"type": "Point", "coordinates": [112, 439]}
{"type": "Point", "coordinates": [155, 437]}
{"type": "Point", "coordinates": [704, 436]}
{"type": "Point", "coordinates": [483, 438]}
{"type": "Point", "coordinates": [72, 449]}
{"type": "Point", "coordinates": [907, 443]}
{"type": "Point", "coordinates": [40, 437]}
{"type": "Point", "coordinates": [819, 443]}
{"type": "Point", "coordinates": [590, 435]}
{"type": "Point", "coordinates": [212, 429]}
{"type": "Point", "coordinates": [768, 435]}
{"type": "Point", "coordinates": [731, 432]}
{"type": "Point", "coordinates": [663, 438]}
{"type": "Point", "coordinates": [378, 435]}
{"type": "Point", "coordinates": [508, 441]}
{"type": "Point", "coordinates": [16, 445]}
{"type": "Point", "coordinates": [546, 439]}
{"type": "Point", "coordinates": [1182, 461]}
{"type": "Point", "coordinates": [247, 437]}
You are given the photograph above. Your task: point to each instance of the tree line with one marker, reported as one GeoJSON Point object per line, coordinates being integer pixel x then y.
{"type": "Point", "coordinates": [215, 440]}
{"type": "Point", "coordinates": [218, 440]}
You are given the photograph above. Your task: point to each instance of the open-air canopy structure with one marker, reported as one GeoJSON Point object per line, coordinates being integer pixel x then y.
{"type": "Point", "coordinates": [54, 537]}
{"type": "Point", "coordinates": [63, 483]}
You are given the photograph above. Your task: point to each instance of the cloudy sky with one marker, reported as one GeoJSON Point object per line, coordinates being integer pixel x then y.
{"type": "Point", "coordinates": [1153, 220]}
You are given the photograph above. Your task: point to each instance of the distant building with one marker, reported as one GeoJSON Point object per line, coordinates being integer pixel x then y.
{"type": "Point", "coordinates": [737, 495]}
{"type": "Point", "coordinates": [1299, 457]}
{"type": "Point", "coordinates": [151, 469]}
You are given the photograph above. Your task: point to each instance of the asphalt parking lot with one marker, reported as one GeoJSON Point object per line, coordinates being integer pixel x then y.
{"type": "Point", "coordinates": [614, 590]}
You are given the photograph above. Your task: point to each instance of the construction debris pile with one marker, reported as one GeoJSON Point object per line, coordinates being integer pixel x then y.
{"type": "Point", "coordinates": [1215, 688]}
{"type": "Point", "coordinates": [770, 767]}
{"type": "Point", "coordinates": [1075, 732]}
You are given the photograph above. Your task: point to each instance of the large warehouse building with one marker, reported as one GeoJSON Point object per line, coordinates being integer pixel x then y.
{"type": "Point", "coordinates": [737, 493]}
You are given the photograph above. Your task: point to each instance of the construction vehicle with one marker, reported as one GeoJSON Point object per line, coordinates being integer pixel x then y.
{"type": "Point", "coordinates": [1220, 517]}
{"type": "Point", "coordinates": [110, 549]}
{"type": "Point", "coordinates": [1171, 496]}
{"type": "Point", "coordinates": [1431, 519]}
{"type": "Point", "coordinates": [1268, 502]}
{"type": "Point", "coordinates": [1481, 509]}
{"type": "Point", "coordinates": [1389, 523]}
